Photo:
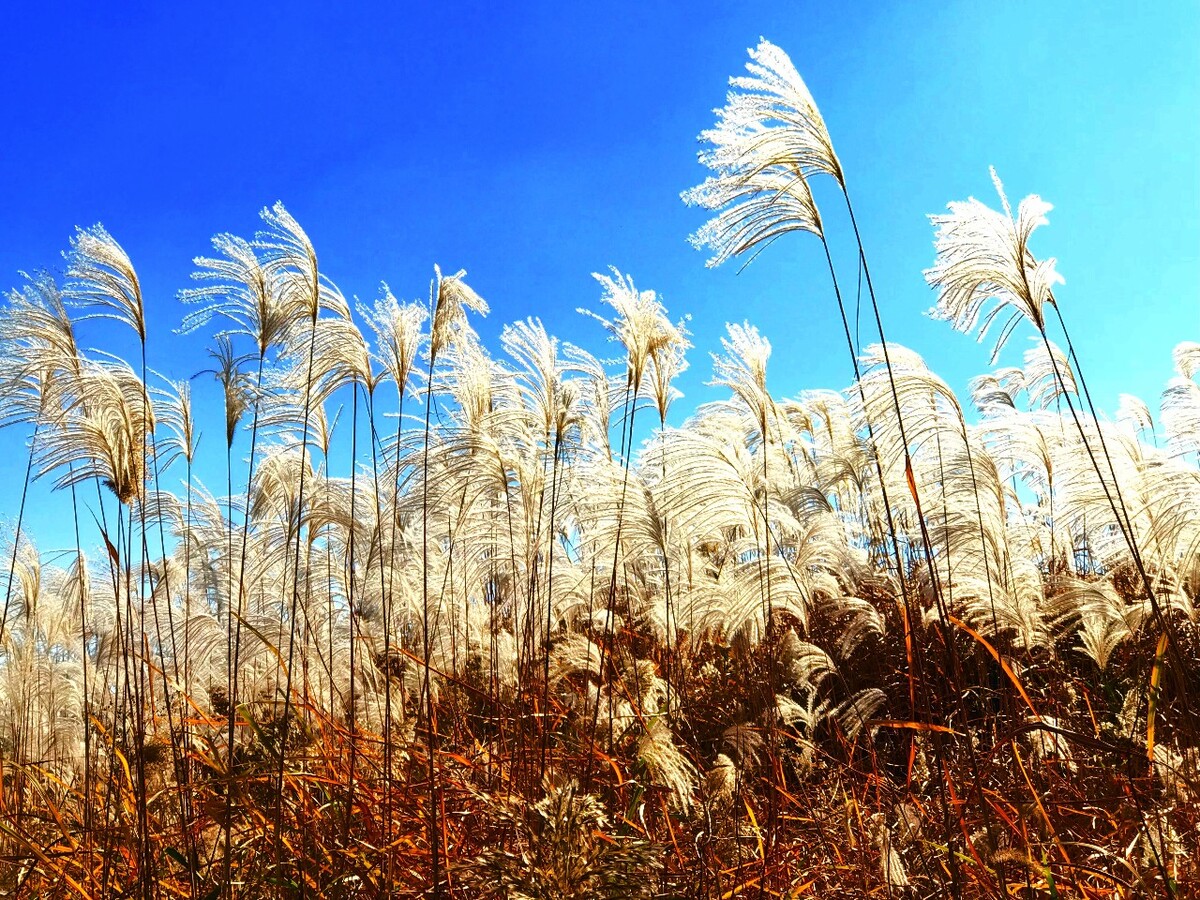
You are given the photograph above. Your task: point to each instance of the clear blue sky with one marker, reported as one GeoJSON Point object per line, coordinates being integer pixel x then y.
{"type": "Point", "coordinates": [535, 147]}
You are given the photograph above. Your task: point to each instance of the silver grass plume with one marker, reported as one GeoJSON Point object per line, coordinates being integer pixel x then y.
{"type": "Point", "coordinates": [769, 140]}
{"type": "Point", "coordinates": [667, 366]}
{"type": "Point", "coordinates": [236, 391]}
{"type": "Point", "coordinates": [743, 369]}
{"type": "Point", "coordinates": [1187, 358]}
{"type": "Point", "coordinates": [1134, 412]}
{"type": "Point", "coordinates": [104, 433]}
{"type": "Point", "coordinates": [895, 876]}
{"type": "Point", "coordinates": [1180, 409]}
{"type": "Point", "coordinates": [323, 357]}
{"type": "Point", "coordinates": [641, 325]}
{"type": "Point", "coordinates": [397, 329]}
{"type": "Point", "coordinates": [102, 277]}
{"type": "Point", "coordinates": [290, 261]}
{"type": "Point", "coordinates": [666, 765]}
{"type": "Point", "coordinates": [238, 286]}
{"type": "Point", "coordinates": [37, 339]}
{"type": "Point", "coordinates": [451, 299]}
{"type": "Point", "coordinates": [983, 255]}
{"type": "Point", "coordinates": [770, 118]}
{"type": "Point", "coordinates": [720, 782]}
{"type": "Point", "coordinates": [1048, 374]}
{"type": "Point", "coordinates": [175, 411]}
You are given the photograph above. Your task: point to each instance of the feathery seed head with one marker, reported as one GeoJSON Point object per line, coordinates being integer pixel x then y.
{"type": "Point", "coordinates": [240, 288]}
{"type": "Point", "coordinates": [1134, 412]}
{"type": "Point", "coordinates": [1187, 358]}
{"type": "Point", "coordinates": [176, 404]}
{"type": "Point", "coordinates": [451, 298]}
{"type": "Point", "coordinates": [984, 255]}
{"type": "Point", "coordinates": [104, 277]}
{"type": "Point", "coordinates": [290, 260]}
{"type": "Point", "coordinates": [1048, 374]}
{"type": "Point", "coordinates": [768, 141]}
{"type": "Point", "coordinates": [640, 325]}
{"type": "Point", "coordinates": [233, 385]}
{"type": "Point", "coordinates": [397, 329]}
{"type": "Point", "coordinates": [107, 422]}
{"type": "Point", "coordinates": [770, 119]}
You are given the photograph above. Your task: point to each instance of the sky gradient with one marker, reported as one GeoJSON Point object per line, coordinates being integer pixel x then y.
{"type": "Point", "coordinates": [535, 148]}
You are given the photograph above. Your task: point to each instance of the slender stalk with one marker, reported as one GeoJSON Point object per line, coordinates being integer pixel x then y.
{"type": "Point", "coordinates": [629, 411]}
{"type": "Point", "coordinates": [435, 840]}
{"type": "Point", "coordinates": [350, 570]}
{"type": "Point", "coordinates": [1117, 502]}
{"type": "Point", "coordinates": [917, 677]}
{"type": "Point", "coordinates": [12, 566]}
{"type": "Point", "coordinates": [549, 602]}
{"type": "Point", "coordinates": [234, 619]}
{"type": "Point", "coordinates": [298, 527]}
{"type": "Point", "coordinates": [394, 526]}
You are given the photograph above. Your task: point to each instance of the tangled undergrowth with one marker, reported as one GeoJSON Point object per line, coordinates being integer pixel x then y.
{"type": "Point", "coordinates": [879, 642]}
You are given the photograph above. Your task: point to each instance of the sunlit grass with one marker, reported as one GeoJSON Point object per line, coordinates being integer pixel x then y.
{"type": "Point", "coordinates": [877, 642]}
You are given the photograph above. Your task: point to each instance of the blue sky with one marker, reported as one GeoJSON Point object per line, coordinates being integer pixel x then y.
{"type": "Point", "coordinates": [534, 147]}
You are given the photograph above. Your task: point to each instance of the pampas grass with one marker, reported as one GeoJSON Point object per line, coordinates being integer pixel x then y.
{"type": "Point", "coordinates": [876, 642]}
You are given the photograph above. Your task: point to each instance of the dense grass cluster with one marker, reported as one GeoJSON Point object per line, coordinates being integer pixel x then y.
{"type": "Point", "coordinates": [474, 637]}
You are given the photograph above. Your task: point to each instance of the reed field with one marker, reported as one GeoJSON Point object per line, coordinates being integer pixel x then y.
{"type": "Point", "coordinates": [475, 621]}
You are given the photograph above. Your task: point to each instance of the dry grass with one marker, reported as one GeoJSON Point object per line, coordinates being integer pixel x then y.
{"type": "Point", "coordinates": [881, 642]}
